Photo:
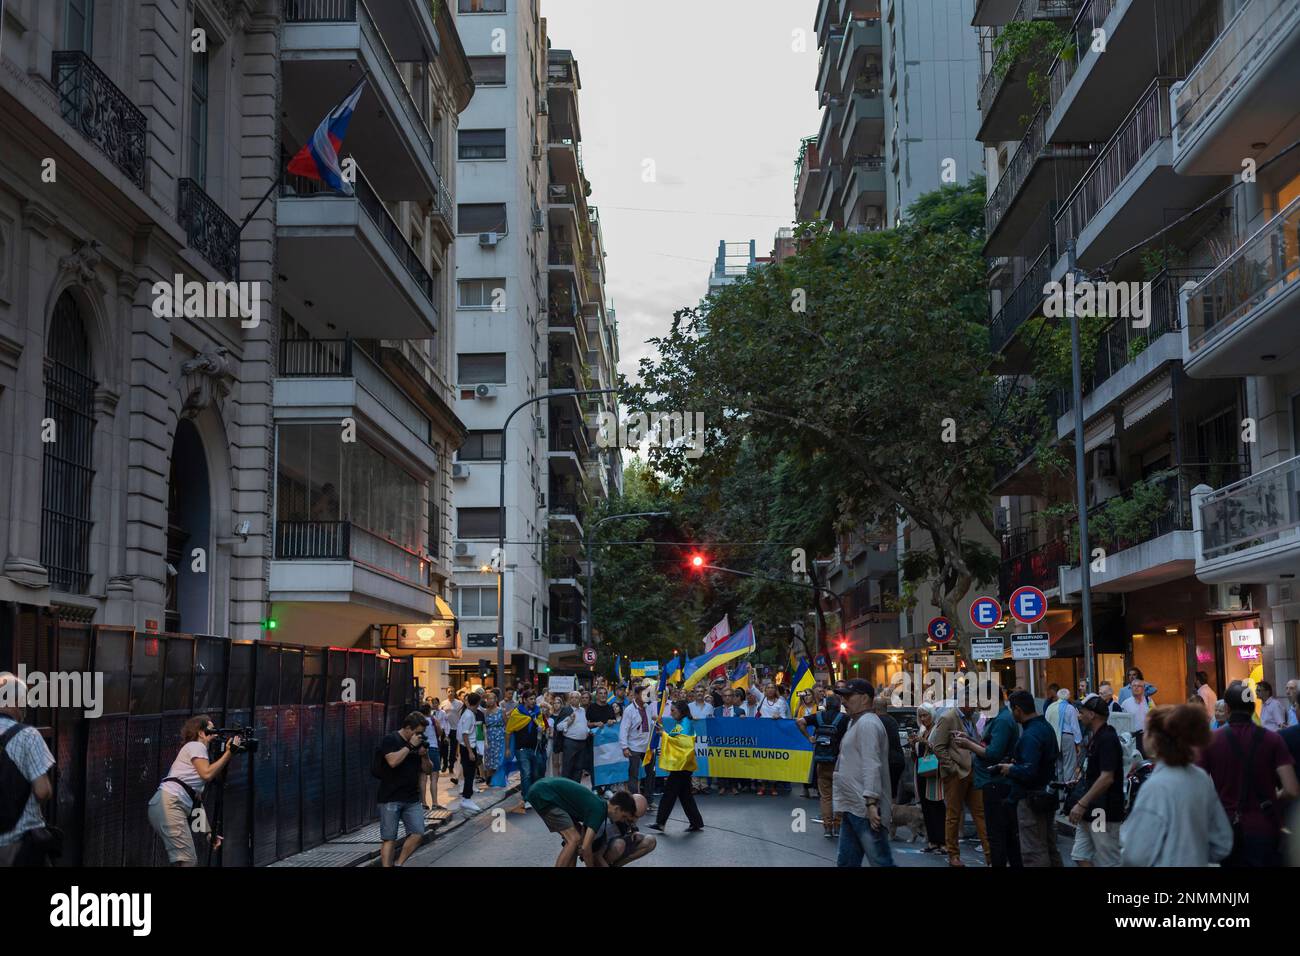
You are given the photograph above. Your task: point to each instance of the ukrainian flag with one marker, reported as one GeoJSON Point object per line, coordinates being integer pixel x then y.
{"type": "Point", "coordinates": [803, 679]}
{"type": "Point", "coordinates": [737, 645]}
{"type": "Point", "coordinates": [739, 678]}
{"type": "Point", "coordinates": [672, 671]}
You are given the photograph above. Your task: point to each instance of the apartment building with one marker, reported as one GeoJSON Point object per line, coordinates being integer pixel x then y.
{"type": "Point", "coordinates": [271, 472]}
{"type": "Point", "coordinates": [896, 121]}
{"type": "Point", "coordinates": [1126, 164]}
{"type": "Point", "coordinates": [531, 318]}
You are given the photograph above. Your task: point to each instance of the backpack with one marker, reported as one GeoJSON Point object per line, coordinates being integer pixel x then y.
{"type": "Point", "coordinates": [14, 786]}
{"type": "Point", "coordinates": [826, 738]}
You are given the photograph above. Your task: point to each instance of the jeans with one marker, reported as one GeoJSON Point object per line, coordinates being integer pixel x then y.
{"type": "Point", "coordinates": [858, 839]}
{"type": "Point", "coordinates": [411, 816]}
{"type": "Point", "coordinates": [532, 767]}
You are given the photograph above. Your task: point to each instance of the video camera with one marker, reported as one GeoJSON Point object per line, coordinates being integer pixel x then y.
{"type": "Point", "coordinates": [247, 741]}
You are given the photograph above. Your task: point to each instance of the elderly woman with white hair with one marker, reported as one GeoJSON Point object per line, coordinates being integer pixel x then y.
{"type": "Point", "coordinates": [929, 784]}
{"type": "Point", "coordinates": [1064, 720]}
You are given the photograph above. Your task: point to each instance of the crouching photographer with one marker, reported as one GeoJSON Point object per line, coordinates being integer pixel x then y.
{"type": "Point", "coordinates": [180, 794]}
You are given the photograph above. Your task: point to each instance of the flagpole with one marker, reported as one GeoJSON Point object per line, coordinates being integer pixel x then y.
{"type": "Point", "coordinates": [275, 184]}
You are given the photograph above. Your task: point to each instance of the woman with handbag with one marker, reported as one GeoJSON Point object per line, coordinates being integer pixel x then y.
{"type": "Point", "coordinates": [677, 756]}
{"type": "Point", "coordinates": [929, 784]}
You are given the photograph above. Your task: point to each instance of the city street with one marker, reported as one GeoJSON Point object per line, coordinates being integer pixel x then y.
{"type": "Point", "coordinates": [743, 831]}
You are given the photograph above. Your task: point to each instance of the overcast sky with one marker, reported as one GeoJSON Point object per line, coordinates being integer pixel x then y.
{"type": "Point", "coordinates": [715, 94]}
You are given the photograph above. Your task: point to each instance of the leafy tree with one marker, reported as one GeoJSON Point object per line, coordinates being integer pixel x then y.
{"type": "Point", "coordinates": [865, 359]}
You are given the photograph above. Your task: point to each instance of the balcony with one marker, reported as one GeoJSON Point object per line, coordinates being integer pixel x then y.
{"type": "Point", "coordinates": [1004, 95]}
{"type": "Point", "coordinates": [862, 41]}
{"type": "Point", "coordinates": [864, 188]}
{"type": "Point", "coordinates": [348, 256]}
{"type": "Point", "coordinates": [1035, 175]}
{"type": "Point", "coordinates": [565, 509]}
{"type": "Point", "coordinates": [1089, 91]}
{"type": "Point", "coordinates": [208, 230]}
{"type": "Point", "coordinates": [96, 108]}
{"type": "Point", "coordinates": [1250, 530]}
{"type": "Point", "coordinates": [566, 163]}
{"type": "Point", "coordinates": [1012, 475]}
{"type": "Point", "coordinates": [1127, 356]}
{"type": "Point", "coordinates": [568, 446]}
{"type": "Point", "coordinates": [808, 180]}
{"type": "Point", "coordinates": [862, 129]}
{"type": "Point", "coordinates": [354, 571]}
{"type": "Point", "coordinates": [1241, 92]}
{"type": "Point", "coordinates": [333, 379]}
{"type": "Point", "coordinates": [1244, 317]}
{"type": "Point", "coordinates": [325, 47]}
{"type": "Point", "coordinates": [1023, 302]}
{"type": "Point", "coordinates": [1023, 565]}
{"type": "Point", "coordinates": [1152, 548]}
{"type": "Point", "coordinates": [828, 78]}
{"type": "Point", "coordinates": [566, 572]}
{"type": "Point", "coordinates": [1128, 192]}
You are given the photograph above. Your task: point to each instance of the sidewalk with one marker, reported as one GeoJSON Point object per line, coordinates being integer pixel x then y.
{"type": "Point", "coordinates": [361, 847]}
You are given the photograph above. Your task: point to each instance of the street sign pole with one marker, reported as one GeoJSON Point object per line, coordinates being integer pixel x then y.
{"type": "Point", "coordinates": [1080, 475]}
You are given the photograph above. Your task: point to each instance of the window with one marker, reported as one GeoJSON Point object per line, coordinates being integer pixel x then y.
{"type": "Point", "coordinates": [66, 520]}
{"type": "Point", "coordinates": [321, 481]}
{"type": "Point", "coordinates": [199, 119]}
{"type": "Point", "coordinates": [79, 26]}
{"type": "Point", "coordinates": [481, 446]}
{"type": "Point", "coordinates": [482, 144]}
{"type": "Point", "coordinates": [477, 368]}
{"type": "Point", "coordinates": [479, 293]}
{"type": "Point", "coordinates": [478, 523]}
{"type": "Point", "coordinates": [476, 217]}
{"type": "Point", "coordinates": [488, 70]}
{"type": "Point", "coordinates": [476, 602]}
{"type": "Point", "coordinates": [482, 6]}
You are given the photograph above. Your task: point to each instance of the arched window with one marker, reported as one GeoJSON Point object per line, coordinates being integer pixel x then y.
{"type": "Point", "coordinates": [66, 519]}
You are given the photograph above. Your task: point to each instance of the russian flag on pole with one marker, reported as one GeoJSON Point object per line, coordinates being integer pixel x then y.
{"type": "Point", "coordinates": [319, 159]}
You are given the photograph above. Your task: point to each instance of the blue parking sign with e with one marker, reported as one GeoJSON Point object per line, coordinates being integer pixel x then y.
{"type": "Point", "coordinates": [985, 613]}
{"type": "Point", "coordinates": [1028, 605]}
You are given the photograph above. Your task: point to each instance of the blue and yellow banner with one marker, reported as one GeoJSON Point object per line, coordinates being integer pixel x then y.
{"type": "Point", "coordinates": [748, 748]}
{"type": "Point", "coordinates": [739, 678]}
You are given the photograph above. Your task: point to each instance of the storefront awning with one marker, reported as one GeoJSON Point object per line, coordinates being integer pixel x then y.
{"type": "Point", "coordinates": [1108, 637]}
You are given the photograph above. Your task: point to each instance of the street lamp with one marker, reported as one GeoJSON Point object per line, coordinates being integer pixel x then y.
{"type": "Point", "coordinates": [591, 595]}
{"type": "Point", "coordinates": [1080, 472]}
{"type": "Point", "coordinates": [501, 516]}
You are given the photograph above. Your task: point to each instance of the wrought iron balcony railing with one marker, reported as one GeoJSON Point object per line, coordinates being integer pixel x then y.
{"type": "Point", "coordinates": [1255, 511]}
{"type": "Point", "coordinates": [208, 230]}
{"type": "Point", "coordinates": [102, 113]}
{"type": "Point", "coordinates": [1141, 132]}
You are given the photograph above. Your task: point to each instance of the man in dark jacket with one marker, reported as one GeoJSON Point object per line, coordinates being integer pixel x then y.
{"type": "Point", "coordinates": [995, 747]}
{"type": "Point", "coordinates": [897, 763]}
{"type": "Point", "coordinates": [1031, 770]}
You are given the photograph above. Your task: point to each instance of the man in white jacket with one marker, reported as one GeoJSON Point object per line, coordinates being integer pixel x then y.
{"type": "Point", "coordinates": [860, 788]}
{"type": "Point", "coordinates": [634, 732]}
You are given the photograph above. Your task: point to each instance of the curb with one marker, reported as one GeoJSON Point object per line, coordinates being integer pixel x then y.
{"type": "Point", "coordinates": [457, 820]}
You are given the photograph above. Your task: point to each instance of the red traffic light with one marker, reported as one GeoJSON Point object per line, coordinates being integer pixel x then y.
{"type": "Point", "coordinates": [697, 561]}
{"type": "Point", "coordinates": [843, 646]}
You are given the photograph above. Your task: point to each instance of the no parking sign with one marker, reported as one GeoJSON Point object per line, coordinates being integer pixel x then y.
{"type": "Point", "coordinates": [1028, 605]}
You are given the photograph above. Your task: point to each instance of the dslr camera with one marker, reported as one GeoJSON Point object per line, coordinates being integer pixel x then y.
{"type": "Point", "coordinates": [247, 740]}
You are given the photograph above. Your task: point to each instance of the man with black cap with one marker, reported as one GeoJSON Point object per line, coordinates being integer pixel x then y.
{"type": "Point", "coordinates": [1032, 768]}
{"type": "Point", "coordinates": [1098, 813]}
{"type": "Point", "coordinates": [860, 788]}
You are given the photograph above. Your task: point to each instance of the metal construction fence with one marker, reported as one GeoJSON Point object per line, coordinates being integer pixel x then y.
{"type": "Point", "coordinates": [317, 714]}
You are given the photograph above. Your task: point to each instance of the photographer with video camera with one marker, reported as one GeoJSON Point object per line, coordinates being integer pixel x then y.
{"type": "Point", "coordinates": [398, 762]}
{"type": "Point", "coordinates": [172, 808]}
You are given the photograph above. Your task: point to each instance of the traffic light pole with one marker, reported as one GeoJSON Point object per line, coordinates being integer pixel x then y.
{"type": "Point", "coordinates": [501, 517]}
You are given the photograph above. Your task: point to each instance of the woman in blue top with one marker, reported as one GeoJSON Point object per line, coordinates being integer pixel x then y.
{"type": "Point", "coordinates": [678, 785]}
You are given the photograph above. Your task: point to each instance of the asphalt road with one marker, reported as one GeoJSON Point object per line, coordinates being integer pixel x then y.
{"type": "Point", "coordinates": [745, 830]}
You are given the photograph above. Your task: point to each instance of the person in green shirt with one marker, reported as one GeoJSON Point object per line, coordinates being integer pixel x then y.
{"type": "Point", "coordinates": [580, 817]}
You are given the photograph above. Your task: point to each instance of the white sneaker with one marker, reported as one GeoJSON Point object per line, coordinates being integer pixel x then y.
{"type": "Point", "coordinates": [608, 794]}
{"type": "Point", "coordinates": [527, 805]}
{"type": "Point", "coordinates": [468, 804]}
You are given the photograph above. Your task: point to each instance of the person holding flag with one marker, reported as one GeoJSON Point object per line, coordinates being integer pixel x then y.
{"type": "Point", "coordinates": [677, 756]}
{"type": "Point", "coordinates": [526, 739]}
